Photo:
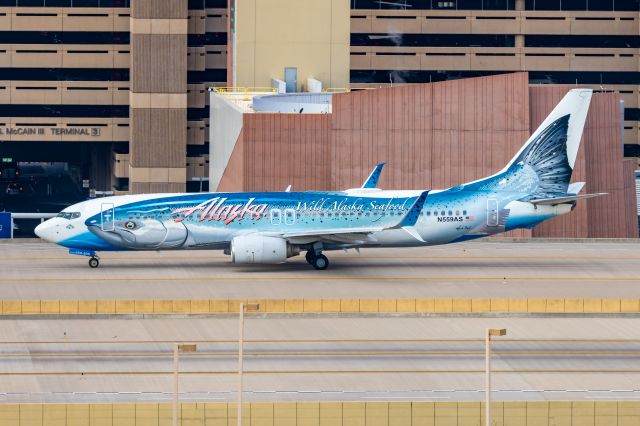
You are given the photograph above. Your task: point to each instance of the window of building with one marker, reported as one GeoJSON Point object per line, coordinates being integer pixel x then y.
{"type": "Point", "coordinates": [58, 110]}
{"type": "Point", "coordinates": [595, 5]}
{"type": "Point", "coordinates": [215, 4]}
{"type": "Point", "coordinates": [439, 40]}
{"type": "Point", "coordinates": [66, 3]}
{"type": "Point", "coordinates": [65, 74]}
{"type": "Point", "coordinates": [632, 114]}
{"type": "Point", "coordinates": [592, 41]}
{"type": "Point", "coordinates": [434, 4]}
{"type": "Point", "coordinates": [535, 77]}
{"type": "Point", "coordinates": [64, 37]}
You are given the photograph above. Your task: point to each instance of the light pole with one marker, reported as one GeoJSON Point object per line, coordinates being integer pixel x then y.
{"type": "Point", "coordinates": [249, 307]}
{"type": "Point", "coordinates": [487, 360]}
{"type": "Point", "coordinates": [176, 350]}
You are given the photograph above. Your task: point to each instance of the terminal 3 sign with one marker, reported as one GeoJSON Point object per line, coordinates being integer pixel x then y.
{"type": "Point", "coordinates": [12, 130]}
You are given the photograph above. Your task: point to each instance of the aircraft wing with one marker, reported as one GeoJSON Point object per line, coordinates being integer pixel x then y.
{"type": "Point", "coordinates": [356, 233]}
{"type": "Point", "coordinates": [567, 199]}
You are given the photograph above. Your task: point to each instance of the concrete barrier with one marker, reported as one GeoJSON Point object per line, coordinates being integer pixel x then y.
{"type": "Point", "coordinates": [536, 413]}
{"type": "Point", "coordinates": [422, 305]}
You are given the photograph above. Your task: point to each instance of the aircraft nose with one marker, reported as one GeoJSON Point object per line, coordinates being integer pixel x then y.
{"type": "Point", "coordinates": [49, 230]}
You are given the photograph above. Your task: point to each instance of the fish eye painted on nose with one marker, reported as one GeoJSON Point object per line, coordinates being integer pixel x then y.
{"type": "Point", "coordinates": [130, 225]}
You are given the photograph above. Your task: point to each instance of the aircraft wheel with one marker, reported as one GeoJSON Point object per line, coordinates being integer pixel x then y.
{"type": "Point", "coordinates": [94, 262]}
{"type": "Point", "coordinates": [309, 256]}
{"type": "Point", "coordinates": [321, 262]}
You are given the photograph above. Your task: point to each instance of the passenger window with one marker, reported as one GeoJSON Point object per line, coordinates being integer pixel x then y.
{"type": "Point", "coordinates": [450, 213]}
{"type": "Point", "coordinates": [276, 217]}
{"type": "Point", "coordinates": [464, 212]}
{"type": "Point", "coordinates": [442, 213]}
{"type": "Point", "coordinates": [457, 212]}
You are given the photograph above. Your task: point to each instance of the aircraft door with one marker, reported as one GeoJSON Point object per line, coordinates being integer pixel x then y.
{"type": "Point", "coordinates": [492, 212]}
{"type": "Point", "coordinates": [276, 216]}
{"type": "Point", "coordinates": [289, 216]}
{"type": "Point", "coordinates": [107, 217]}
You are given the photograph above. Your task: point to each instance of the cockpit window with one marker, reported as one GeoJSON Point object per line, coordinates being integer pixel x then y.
{"type": "Point", "coordinates": [69, 215]}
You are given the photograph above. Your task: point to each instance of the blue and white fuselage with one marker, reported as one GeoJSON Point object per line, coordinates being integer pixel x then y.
{"type": "Point", "coordinates": [269, 227]}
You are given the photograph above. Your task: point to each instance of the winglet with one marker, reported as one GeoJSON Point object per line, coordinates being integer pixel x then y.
{"type": "Point", "coordinates": [374, 177]}
{"type": "Point", "coordinates": [412, 217]}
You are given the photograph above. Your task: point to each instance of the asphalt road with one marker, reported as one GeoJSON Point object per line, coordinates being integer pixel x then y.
{"type": "Point", "coordinates": [476, 269]}
{"type": "Point", "coordinates": [315, 359]}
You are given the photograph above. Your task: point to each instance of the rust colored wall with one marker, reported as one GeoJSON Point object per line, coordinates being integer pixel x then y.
{"type": "Point", "coordinates": [233, 177]}
{"type": "Point", "coordinates": [599, 163]}
{"type": "Point", "coordinates": [286, 149]}
{"type": "Point", "coordinates": [433, 136]}
{"type": "Point", "coordinates": [604, 160]}
{"type": "Point", "coordinates": [631, 207]}
{"type": "Point", "coordinates": [542, 100]}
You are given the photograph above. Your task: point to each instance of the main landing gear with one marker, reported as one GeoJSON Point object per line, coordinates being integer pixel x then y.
{"type": "Point", "coordinates": [94, 262]}
{"type": "Point", "coordinates": [318, 261]}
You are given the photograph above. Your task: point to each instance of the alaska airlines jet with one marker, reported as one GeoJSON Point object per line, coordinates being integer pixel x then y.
{"type": "Point", "coordinates": [270, 227]}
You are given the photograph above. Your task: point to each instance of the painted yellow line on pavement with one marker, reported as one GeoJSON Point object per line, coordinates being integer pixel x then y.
{"type": "Point", "coordinates": [311, 354]}
{"type": "Point", "coordinates": [315, 278]}
{"type": "Point", "coordinates": [73, 342]}
{"type": "Point", "coordinates": [315, 372]}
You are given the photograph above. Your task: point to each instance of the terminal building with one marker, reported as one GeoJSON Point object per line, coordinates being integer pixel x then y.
{"type": "Point", "coordinates": [116, 90]}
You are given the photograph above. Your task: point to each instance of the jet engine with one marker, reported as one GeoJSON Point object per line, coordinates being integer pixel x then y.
{"type": "Point", "coordinates": [261, 249]}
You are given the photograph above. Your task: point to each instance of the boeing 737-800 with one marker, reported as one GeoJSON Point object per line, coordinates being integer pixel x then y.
{"type": "Point", "coordinates": [270, 227]}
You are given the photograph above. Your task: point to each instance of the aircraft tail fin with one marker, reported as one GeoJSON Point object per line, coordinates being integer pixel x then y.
{"type": "Point", "coordinates": [551, 150]}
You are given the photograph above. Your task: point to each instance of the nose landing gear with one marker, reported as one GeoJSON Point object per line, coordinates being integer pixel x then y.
{"type": "Point", "coordinates": [94, 260]}
{"type": "Point", "coordinates": [318, 261]}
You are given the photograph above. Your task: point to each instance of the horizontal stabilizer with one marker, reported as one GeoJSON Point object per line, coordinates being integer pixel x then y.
{"type": "Point", "coordinates": [575, 188]}
{"type": "Point", "coordinates": [374, 177]}
{"type": "Point", "coordinates": [561, 200]}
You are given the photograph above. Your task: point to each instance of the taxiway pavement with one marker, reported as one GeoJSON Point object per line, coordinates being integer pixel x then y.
{"type": "Point", "coordinates": [476, 269]}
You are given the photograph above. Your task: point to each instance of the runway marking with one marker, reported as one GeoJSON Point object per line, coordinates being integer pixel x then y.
{"type": "Point", "coordinates": [317, 278]}
{"type": "Point", "coordinates": [295, 372]}
{"type": "Point", "coordinates": [338, 256]}
{"type": "Point", "coordinates": [232, 341]}
{"type": "Point", "coordinates": [310, 354]}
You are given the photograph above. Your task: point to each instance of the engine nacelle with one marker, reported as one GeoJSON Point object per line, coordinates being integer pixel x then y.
{"type": "Point", "coordinates": [261, 249]}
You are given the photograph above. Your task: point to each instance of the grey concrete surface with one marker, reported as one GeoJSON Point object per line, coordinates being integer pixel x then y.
{"type": "Point", "coordinates": [311, 359]}
{"type": "Point", "coordinates": [476, 269]}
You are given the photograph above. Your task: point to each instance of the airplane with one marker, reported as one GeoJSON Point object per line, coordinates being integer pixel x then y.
{"type": "Point", "coordinates": [270, 227]}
